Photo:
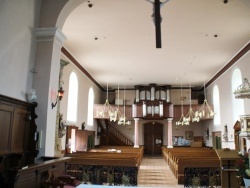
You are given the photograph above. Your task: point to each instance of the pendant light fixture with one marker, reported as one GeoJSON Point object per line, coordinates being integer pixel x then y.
{"type": "Point", "coordinates": [181, 120]}
{"type": "Point", "coordinates": [190, 117]}
{"type": "Point", "coordinates": [205, 111]}
{"type": "Point", "coordinates": [114, 113]}
{"type": "Point", "coordinates": [106, 111]}
{"type": "Point", "coordinates": [123, 119]}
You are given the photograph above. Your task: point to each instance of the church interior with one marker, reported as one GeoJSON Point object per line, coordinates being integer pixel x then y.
{"type": "Point", "coordinates": [145, 93]}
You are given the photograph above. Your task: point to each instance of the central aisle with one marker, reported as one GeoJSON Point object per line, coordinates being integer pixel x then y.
{"type": "Point", "coordinates": [154, 172]}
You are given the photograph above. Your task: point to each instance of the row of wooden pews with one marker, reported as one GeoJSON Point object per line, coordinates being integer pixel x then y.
{"type": "Point", "coordinates": [116, 165]}
{"type": "Point", "coordinates": [180, 158]}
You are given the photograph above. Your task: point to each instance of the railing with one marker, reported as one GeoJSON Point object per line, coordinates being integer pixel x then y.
{"type": "Point", "coordinates": [112, 130]}
{"type": "Point", "coordinates": [202, 177]}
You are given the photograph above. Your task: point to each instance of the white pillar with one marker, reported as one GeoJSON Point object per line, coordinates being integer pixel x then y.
{"type": "Point", "coordinates": [170, 133]}
{"type": "Point", "coordinates": [136, 139]}
{"type": "Point", "coordinates": [45, 82]}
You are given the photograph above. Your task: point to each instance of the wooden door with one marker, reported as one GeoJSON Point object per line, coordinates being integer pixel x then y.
{"type": "Point", "coordinates": [216, 140]}
{"type": "Point", "coordinates": [153, 138]}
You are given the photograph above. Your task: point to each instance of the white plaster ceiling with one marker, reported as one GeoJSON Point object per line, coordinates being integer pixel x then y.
{"type": "Point", "coordinates": [114, 40]}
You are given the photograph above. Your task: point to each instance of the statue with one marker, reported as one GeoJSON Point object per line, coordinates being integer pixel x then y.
{"type": "Point", "coordinates": [62, 126]}
{"type": "Point", "coordinates": [83, 125]}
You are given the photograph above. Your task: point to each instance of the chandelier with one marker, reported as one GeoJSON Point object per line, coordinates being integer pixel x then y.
{"type": "Point", "coordinates": [190, 117]}
{"type": "Point", "coordinates": [205, 111]}
{"type": "Point", "coordinates": [243, 92]}
{"type": "Point", "coordinates": [182, 120]}
{"type": "Point", "coordinates": [122, 119]}
{"type": "Point", "coordinates": [107, 110]}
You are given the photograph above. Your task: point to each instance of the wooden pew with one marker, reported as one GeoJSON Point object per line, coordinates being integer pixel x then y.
{"type": "Point", "coordinates": [121, 149]}
{"type": "Point", "coordinates": [35, 175]}
{"type": "Point", "coordinates": [184, 163]}
{"type": "Point", "coordinates": [174, 156]}
{"type": "Point", "coordinates": [56, 180]}
{"type": "Point", "coordinates": [103, 161]}
{"type": "Point", "coordinates": [105, 158]}
{"type": "Point", "coordinates": [180, 158]}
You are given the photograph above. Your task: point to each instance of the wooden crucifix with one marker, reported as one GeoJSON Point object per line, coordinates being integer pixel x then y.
{"type": "Point", "coordinates": [157, 20]}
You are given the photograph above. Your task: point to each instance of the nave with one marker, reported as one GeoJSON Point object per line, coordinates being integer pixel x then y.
{"type": "Point", "coordinates": [154, 172]}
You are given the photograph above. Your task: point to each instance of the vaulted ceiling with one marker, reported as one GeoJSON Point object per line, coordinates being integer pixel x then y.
{"type": "Point", "coordinates": [114, 40]}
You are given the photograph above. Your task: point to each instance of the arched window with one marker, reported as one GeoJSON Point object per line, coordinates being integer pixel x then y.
{"type": "Point", "coordinates": [216, 102]}
{"type": "Point", "coordinates": [90, 106]}
{"type": "Point", "coordinates": [72, 98]}
{"type": "Point", "coordinates": [238, 104]}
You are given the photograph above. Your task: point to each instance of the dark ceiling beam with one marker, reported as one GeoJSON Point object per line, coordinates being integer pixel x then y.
{"type": "Point", "coordinates": [71, 58]}
{"type": "Point", "coordinates": [231, 63]}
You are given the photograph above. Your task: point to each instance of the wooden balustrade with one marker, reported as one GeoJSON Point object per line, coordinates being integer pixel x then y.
{"type": "Point", "coordinates": [180, 158]}
{"type": "Point", "coordinates": [119, 136]}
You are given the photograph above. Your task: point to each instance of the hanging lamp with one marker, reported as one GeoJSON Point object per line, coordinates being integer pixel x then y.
{"type": "Point", "coordinates": [190, 117]}
{"type": "Point", "coordinates": [106, 110]}
{"type": "Point", "coordinates": [122, 117]}
{"type": "Point", "coordinates": [205, 111]}
{"type": "Point", "coordinates": [182, 120]}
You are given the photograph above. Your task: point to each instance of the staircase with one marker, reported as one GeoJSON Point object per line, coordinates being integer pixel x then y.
{"type": "Point", "coordinates": [109, 135]}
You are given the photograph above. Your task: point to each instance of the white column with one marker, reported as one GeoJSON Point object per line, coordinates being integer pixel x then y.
{"type": "Point", "coordinates": [45, 82]}
{"type": "Point", "coordinates": [136, 141]}
{"type": "Point", "coordinates": [170, 133]}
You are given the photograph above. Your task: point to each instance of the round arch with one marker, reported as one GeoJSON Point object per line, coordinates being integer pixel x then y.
{"type": "Point", "coordinates": [54, 13]}
{"type": "Point", "coordinates": [66, 10]}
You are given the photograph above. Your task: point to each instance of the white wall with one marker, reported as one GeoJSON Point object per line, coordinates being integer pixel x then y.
{"type": "Point", "coordinates": [18, 20]}
{"type": "Point", "coordinates": [84, 83]}
{"type": "Point", "coordinates": [226, 107]}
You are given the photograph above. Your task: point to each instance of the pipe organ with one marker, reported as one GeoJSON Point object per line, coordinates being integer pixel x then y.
{"type": "Point", "coordinates": [152, 102]}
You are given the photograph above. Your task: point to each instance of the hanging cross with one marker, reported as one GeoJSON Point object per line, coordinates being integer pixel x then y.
{"type": "Point", "coordinates": [157, 20]}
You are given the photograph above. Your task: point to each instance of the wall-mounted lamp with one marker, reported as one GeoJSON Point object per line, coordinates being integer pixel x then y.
{"type": "Point", "coordinates": [59, 97]}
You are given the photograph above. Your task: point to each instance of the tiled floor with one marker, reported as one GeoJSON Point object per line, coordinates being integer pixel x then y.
{"type": "Point", "coordinates": [154, 172]}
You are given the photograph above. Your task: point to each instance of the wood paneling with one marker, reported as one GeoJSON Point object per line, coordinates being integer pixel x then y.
{"type": "Point", "coordinates": [81, 138]}
{"type": "Point", "coordinates": [34, 176]}
{"type": "Point", "coordinates": [17, 144]}
{"type": "Point", "coordinates": [6, 114]}
{"type": "Point", "coordinates": [19, 137]}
